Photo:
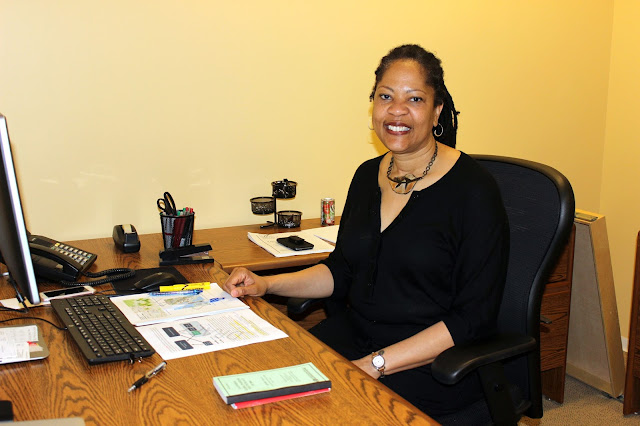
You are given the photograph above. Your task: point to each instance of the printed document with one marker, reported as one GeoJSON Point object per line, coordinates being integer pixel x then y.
{"type": "Point", "coordinates": [21, 343]}
{"type": "Point", "coordinates": [144, 308]}
{"type": "Point", "coordinates": [193, 336]}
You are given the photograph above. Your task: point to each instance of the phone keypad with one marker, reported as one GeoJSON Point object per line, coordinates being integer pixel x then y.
{"type": "Point", "coordinates": [74, 253]}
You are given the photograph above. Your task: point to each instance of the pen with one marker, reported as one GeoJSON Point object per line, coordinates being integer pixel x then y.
{"type": "Point", "coordinates": [175, 293]}
{"type": "Point", "coordinates": [216, 299]}
{"type": "Point", "coordinates": [144, 379]}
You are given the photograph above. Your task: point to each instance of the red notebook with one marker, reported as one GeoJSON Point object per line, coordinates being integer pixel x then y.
{"type": "Point", "coordinates": [257, 402]}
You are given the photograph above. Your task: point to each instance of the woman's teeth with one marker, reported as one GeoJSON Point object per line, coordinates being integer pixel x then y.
{"type": "Point", "coordinates": [398, 128]}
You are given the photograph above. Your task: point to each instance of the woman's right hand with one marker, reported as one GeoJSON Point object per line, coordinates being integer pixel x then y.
{"type": "Point", "coordinates": [242, 282]}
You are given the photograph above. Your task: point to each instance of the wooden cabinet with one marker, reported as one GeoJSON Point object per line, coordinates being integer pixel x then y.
{"type": "Point", "coordinates": [632, 380]}
{"type": "Point", "coordinates": [554, 325]}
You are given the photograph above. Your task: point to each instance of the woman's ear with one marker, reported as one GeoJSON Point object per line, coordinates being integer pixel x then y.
{"type": "Point", "coordinates": [438, 111]}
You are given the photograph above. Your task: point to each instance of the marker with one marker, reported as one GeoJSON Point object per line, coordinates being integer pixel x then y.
{"type": "Point", "coordinates": [175, 293]}
{"type": "Point", "coordinates": [180, 287]}
{"type": "Point", "coordinates": [144, 379]}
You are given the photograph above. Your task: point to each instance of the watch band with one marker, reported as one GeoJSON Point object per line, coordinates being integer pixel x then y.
{"type": "Point", "coordinates": [378, 362]}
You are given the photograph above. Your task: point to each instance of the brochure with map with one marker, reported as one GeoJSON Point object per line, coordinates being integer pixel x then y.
{"type": "Point", "coordinates": [199, 335]}
{"type": "Point", "coordinates": [150, 308]}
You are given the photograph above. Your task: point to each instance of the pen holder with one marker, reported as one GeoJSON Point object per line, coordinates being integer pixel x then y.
{"type": "Point", "coordinates": [289, 218]}
{"type": "Point", "coordinates": [177, 231]}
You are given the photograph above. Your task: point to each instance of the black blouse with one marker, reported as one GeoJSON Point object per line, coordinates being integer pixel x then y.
{"type": "Point", "coordinates": [443, 258]}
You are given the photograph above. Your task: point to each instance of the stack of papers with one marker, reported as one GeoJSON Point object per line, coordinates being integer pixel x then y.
{"type": "Point", "coordinates": [316, 236]}
{"type": "Point", "coordinates": [261, 387]}
{"type": "Point", "coordinates": [183, 325]}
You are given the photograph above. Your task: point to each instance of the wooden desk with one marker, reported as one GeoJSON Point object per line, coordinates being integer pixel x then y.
{"type": "Point", "coordinates": [232, 248]}
{"type": "Point", "coordinates": [64, 385]}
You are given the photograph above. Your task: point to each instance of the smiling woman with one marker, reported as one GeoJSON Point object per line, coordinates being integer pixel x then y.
{"type": "Point", "coordinates": [404, 108]}
{"type": "Point", "coordinates": [434, 78]}
{"type": "Point", "coordinates": [420, 259]}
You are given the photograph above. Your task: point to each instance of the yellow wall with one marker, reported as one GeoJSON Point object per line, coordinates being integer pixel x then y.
{"type": "Point", "coordinates": [621, 166]}
{"type": "Point", "coordinates": [111, 103]}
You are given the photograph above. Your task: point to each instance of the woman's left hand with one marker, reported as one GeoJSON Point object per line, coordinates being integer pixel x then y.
{"type": "Point", "coordinates": [365, 365]}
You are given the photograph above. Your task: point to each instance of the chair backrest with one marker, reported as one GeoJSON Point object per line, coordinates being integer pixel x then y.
{"type": "Point", "coordinates": [540, 206]}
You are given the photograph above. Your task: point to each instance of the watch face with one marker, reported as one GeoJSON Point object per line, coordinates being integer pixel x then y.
{"type": "Point", "coordinates": [378, 361]}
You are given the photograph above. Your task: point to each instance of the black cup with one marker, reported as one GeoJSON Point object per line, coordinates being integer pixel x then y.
{"type": "Point", "coordinates": [289, 218]}
{"type": "Point", "coordinates": [263, 205]}
{"type": "Point", "coordinates": [284, 188]}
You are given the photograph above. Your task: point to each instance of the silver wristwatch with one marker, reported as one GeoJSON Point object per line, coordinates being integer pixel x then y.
{"type": "Point", "coordinates": [377, 360]}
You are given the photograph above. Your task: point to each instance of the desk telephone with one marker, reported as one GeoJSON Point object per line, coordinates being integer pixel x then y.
{"type": "Point", "coordinates": [57, 261]}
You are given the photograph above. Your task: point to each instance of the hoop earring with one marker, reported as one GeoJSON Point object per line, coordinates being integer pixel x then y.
{"type": "Point", "coordinates": [435, 130]}
{"type": "Point", "coordinates": [370, 124]}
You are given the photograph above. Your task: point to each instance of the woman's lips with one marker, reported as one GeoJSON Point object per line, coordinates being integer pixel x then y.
{"type": "Point", "coordinates": [397, 128]}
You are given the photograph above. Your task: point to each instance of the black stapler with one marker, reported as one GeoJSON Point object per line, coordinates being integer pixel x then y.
{"type": "Point", "coordinates": [186, 255]}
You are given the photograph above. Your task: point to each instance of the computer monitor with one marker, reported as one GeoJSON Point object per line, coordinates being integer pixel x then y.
{"type": "Point", "coordinates": [14, 243]}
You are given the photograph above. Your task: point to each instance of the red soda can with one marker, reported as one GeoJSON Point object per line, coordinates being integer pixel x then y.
{"type": "Point", "coordinates": [327, 211]}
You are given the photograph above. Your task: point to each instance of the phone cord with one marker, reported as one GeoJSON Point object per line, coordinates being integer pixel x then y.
{"type": "Point", "coordinates": [112, 275]}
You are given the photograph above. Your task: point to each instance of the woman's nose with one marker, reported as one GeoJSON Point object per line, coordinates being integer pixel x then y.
{"type": "Point", "coordinates": [397, 108]}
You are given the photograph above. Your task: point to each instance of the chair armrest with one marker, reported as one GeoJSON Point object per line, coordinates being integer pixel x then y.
{"type": "Point", "coordinates": [455, 363]}
{"type": "Point", "coordinates": [299, 305]}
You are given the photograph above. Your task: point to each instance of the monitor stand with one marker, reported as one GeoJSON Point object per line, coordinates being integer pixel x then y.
{"type": "Point", "coordinates": [6, 411]}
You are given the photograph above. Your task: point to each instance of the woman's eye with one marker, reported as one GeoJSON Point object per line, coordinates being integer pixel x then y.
{"type": "Point", "coordinates": [416, 99]}
{"type": "Point", "coordinates": [384, 97]}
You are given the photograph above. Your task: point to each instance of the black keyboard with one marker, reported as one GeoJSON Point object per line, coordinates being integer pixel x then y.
{"type": "Point", "coordinates": [101, 331]}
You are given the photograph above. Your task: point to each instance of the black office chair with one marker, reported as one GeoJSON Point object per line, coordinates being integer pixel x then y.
{"type": "Point", "coordinates": [540, 205]}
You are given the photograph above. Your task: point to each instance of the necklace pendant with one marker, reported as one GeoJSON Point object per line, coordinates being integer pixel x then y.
{"type": "Point", "coordinates": [409, 180]}
{"type": "Point", "coordinates": [407, 187]}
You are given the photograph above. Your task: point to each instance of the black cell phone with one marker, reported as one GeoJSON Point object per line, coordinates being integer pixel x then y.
{"type": "Point", "coordinates": [295, 243]}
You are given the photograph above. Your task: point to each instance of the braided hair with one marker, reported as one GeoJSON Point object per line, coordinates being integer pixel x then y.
{"type": "Point", "coordinates": [435, 78]}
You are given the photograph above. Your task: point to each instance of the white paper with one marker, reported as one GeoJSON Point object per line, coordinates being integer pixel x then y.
{"type": "Point", "coordinates": [193, 336]}
{"type": "Point", "coordinates": [144, 309]}
{"type": "Point", "coordinates": [328, 233]}
{"type": "Point", "coordinates": [269, 243]}
{"type": "Point", "coordinates": [14, 343]}
{"type": "Point", "coordinates": [14, 304]}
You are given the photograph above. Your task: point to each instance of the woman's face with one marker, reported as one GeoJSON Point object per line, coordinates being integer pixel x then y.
{"type": "Point", "coordinates": [403, 110]}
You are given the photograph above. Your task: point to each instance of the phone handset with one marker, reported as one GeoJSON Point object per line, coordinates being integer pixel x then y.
{"type": "Point", "coordinates": [65, 264]}
{"type": "Point", "coordinates": [58, 261]}
{"type": "Point", "coordinates": [51, 264]}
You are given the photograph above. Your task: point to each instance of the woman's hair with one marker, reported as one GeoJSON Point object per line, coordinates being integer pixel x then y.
{"type": "Point", "coordinates": [435, 78]}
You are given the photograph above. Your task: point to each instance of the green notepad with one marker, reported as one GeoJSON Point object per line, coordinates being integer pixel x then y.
{"type": "Point", "coordinates": [270, 383]}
